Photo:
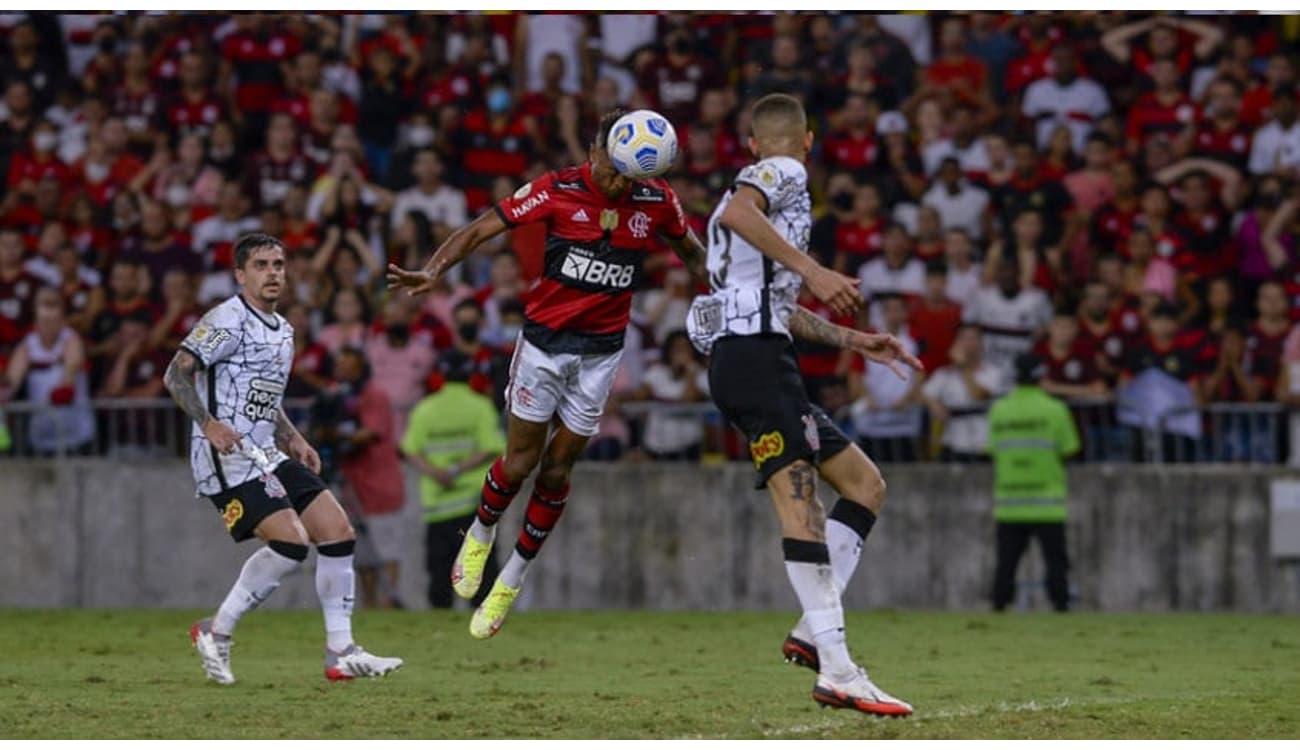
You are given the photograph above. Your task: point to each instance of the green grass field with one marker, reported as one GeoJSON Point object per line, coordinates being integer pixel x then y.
{"type": "Point", "coordinates": [100, 674]}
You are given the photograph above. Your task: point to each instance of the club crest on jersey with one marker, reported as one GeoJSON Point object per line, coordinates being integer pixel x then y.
{"type": "Point", "coordinates": [767, 447]}
{"type": "Point", "coordinates": [640, 225]}
{"type": "Point", "coordinates": [263, 399]}
{"type": "Point", "coordinates": [609, 220]}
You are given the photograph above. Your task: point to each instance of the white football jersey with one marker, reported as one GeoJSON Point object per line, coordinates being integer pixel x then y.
{"type": "Point", "coordinates": [753, 294]}
{"type": "Point", "coordinates": [1009, 325]}
{"type": "Point", "coordinates": [246, 356]}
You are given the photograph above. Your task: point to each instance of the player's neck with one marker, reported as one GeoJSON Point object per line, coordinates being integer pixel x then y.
{"type": "Point", "coordinates": [765, 154]}
{"type": "Point", "coordinates": [257, 304]}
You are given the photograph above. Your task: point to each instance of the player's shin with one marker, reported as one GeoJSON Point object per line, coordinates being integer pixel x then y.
{"type": "Point", "coordinates": [846, 532]}
{"type": "Point", "coordinates": [809, 568]}
{"type": "Point", "coordinates": [494, 500]}
{"type": "Point", "coordinates": [335, 583]}
{"type": "Point", "coordinates": [259, 577]}
{"type": "Point", "coordinates": [544, 509]}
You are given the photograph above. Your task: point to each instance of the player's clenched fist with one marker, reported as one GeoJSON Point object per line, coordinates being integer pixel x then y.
{"type": "Point", "coordinates": [838, 291]}
{"type": "Point", "coordinates": [222, 436]}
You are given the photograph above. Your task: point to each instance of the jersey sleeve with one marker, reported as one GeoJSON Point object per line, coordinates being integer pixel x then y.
{"type": "Point", "coordinates": [532, 203]}
{"type": "Point", "coordinates": [215, 337]}
{"type": "Point", "coordinates": [674, 225]}
{"type": "Point", "coordinates": [778, 185]}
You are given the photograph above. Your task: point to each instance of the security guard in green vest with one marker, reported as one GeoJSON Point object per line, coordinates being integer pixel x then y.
{"type": "Point", "coordinates": [451, 438]}
{"type": "Point", "coordinates": [1030, 434]}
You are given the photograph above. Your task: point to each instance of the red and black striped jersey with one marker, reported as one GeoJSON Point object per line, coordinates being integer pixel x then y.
{"type": "Point", "coordinates": [595, 251]}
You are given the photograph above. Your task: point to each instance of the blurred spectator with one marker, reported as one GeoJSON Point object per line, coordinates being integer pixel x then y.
{"type": "Point", "coordinates": [678, 379]}
{"type": "Point", "coordinates": [538, 35]}
{"type": "Point", "coordinates": [1162, 42]}
{"type": "Point", "coordinates": [1288, 392]}
{"type": "Point", "coordinates": [48, 367]}
{"type": "Point", "coordinates": [505, 285]}
{"type": "Point", "coordinates": [349, 321]}
{"type": "Point", "coordinates": [136, 368]}
{"type": "Point", "coordinates": [383, 106]}
{"type": "Point", "coordinates": [155, 249]}
{"type": "Point", "coordinates": [373, 473]}
{"type": "Point", "coordinates": [494, 142]}
{"type": "Point", "coordinates": [491, 365]}
{"type": "Point", "coordinates": [934, 318]}
{"type": "Point", "coordinates": [1222, 134]}
{"type": "Point", "coordinates": [280, 166]}
{"type": "Point", "coordinates": [858, 233]}
{"type": "Point", "coordinates": [440, 204]}
{"type": "Point", "coordinates": [1070, 371]}
{"type": "Point", "coordinates": [401, 357]}
{"type": "Point", "coordinates": [965, 146]}
{"type": "Point", "coordinates": [664, 310]}
{"type": "Point", "coordinates": [895, 270]}
{"type": "Point", "coordinates": [1030, 188]}
{"type": "Point", "coordinates": [18, 123]}
{"type": "Point", "coordinates": [180, 311]}
{"type": "Point", "coordinates": [964, 273]}
{"type": "Point", "coordinates": [885, 415]}
{"type": "Point", "coordinates": [346, 255]}
{"type": "Point", "coordinates": [1010, 315]}
{"type": "Point", "coordinates": [961, 204]}
{"type": "Point", "coordinates": [187, 182]}
{"type": "Point", "coordinates": [785, 75]}
{"type": "Point", "coordinates": [253, 56]}
{"type": "Point", "coordinates": [213, 240]}
{"type": "Point", "coordinates": [955, 396]}
{"type": "Point", "coordinates": [27, 62]}
{"type": "Point", "coordinates": [17, 290]}
{"type": "Point", "coordinates": [452, 437]}
{"type": "Point", "coordinates": [824, 368]}
{"type": "Point", "coordinates": [1164, 112]}
{"type": "Point", "coordinates": [1275, 148]}
{"type": "Point", "coordinates": [674, 80]}
{"type": "Point", "coordinates": [81, 288]}
{"type": "Point", "coordinates": [312, 363]}
{"type": "Point", "coordinates": [1266, 336]}
{"type": "Point", "coordinates": [194, 109]}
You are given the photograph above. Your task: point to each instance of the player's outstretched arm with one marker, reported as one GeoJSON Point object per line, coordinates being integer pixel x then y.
{"type": "Point", "coordinates": [457, 247]}
{"type": "Point", "coordinates": [692, 252]}
{"type": "Point", "coordinates": [877, 347]}
{"type": "Point", "coordinates": [746, 215]}
{"type": "Point", "coordinates": [179, 380]}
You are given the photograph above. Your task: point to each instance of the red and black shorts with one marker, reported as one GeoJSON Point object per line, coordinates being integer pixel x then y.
{"type": "Point", "coordinates": [756, 384]}
{"type": "Point", "coordinates": [244, 506]}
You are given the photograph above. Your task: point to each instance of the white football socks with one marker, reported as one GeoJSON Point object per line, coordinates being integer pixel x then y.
{"type": "Point", "coordinates": [258, 579]}
{"type": "Point", "coordinates": [335, 582]}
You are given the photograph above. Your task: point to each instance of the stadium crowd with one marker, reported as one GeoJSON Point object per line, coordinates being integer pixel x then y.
{"type": "Point", "coordinates": [1117, 192]}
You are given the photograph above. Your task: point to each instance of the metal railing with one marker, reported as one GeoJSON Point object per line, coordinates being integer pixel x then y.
{"type": "Point", "coordinates": [1256, 433]}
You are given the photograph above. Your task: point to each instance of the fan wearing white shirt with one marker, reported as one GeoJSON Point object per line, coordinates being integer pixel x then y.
{"type": "Point", "coordinates": [441, 204]}
{"type": "Point", "coordinates": [955, 393]}
{"type": "Point", "coordinates": [1276, 146]}
{"type": "Point", "coordinates": [894, 271]}
{"type": "Point", "coordinates": [964, 272]}
{"type": "Point", "coordinates": [885, 411]}
{"type": "Point", "coordinates": [965, 145]}
{"type": "Point", "coordinates": [961, 204]}
{"type": "Point", "coordinates": [1065, 99]}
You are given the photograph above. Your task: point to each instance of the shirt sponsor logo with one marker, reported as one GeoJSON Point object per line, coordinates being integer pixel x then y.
{"type": "Point", "coordinates": [523, 191]}
{"type": "Point", "coordinates": [646, 195]}
{"type": "Point", "coordinates": [521, 210]}
{"type": "Point", "coordinates": [263, 399]}
{"type": "Point", "coordinates": [582, 267]}
{"type": "Point", "coordinates": [640, 225]}
{"type": "Point", "coordinates": [767, 447]}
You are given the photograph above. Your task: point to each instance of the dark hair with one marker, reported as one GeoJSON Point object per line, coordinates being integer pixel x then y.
{"type": "Point", "coordinates": [672, 338]}
{"type": "Point", "coordinates": [1102, 138]}
{"type": "Point", "coordinates": [349, 350]}
{"type": "Point", "coordinates": [607, 124]}
{"type": "Point", "coordinates": [362, 301]}
{"type": "Point", "coordinates": [1064, 311]}
{"type": "Point", "coordinates": [509, 307]}
{"type": "Point", "coordinates": [1165, 309]}
{"type": "Point", "coordinates": [250, 243]}
{"type": "Point", "coordinates": [936, 267]}
{"type": "Point", "coordinates": [468, 302]}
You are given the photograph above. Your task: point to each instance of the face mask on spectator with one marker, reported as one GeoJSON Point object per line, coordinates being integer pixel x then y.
{"type": "Point", "coordinates": [96, 172]}
{"type": "Point", "coordinates": [420, 136]}
{"type": "Point", "coordinates": [681, 46]}
{"type": "Point", "coordinates": [469, 332]}
{"type": "Point", "coordinates": [498, 101]}
{"type": "Point", "coordinates": [842, 201]}
{"type": "Point", "coordinates": [45, 141]}
{"type": "Point", "coordinates": [399, 331]}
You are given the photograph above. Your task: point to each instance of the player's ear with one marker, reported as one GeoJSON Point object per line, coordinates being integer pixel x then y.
{"type": "Point", "coordinates": [808, 141]}
{"type": "Point", "coordinates": [753, 147]}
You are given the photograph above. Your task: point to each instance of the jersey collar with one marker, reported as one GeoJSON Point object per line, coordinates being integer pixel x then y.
{"type": "Point", "coordinates": [273, 324]}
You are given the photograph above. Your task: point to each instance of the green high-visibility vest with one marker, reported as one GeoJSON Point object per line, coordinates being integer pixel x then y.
{"type": "Point", "coordinates": [444, 429]}
{"type": "Point", "coordinates": [1030, 433]}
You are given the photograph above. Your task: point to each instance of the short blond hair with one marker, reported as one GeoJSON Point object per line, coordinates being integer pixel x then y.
{"type": "Point", "coordinates": [779, 120]}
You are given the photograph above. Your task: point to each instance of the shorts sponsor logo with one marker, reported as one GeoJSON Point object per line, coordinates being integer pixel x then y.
{"type": "Point", "coordinates": [233, 511]}
{"type": "Point", "coordinates": [640, 225]}
{"type": "Point", "coordinates": [767, 446]}
{"type": "Point", "coordinates": [263, 399]}
{"type": "Point", "coordinates": [582, 267]}
{"type": "Point", "coordinates": [523, 209]}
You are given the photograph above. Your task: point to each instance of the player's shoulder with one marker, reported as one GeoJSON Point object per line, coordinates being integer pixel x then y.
{"type": "Point", "coordinates": [229, 314]}
{"type": "Point", "coordinates": [774, 172]}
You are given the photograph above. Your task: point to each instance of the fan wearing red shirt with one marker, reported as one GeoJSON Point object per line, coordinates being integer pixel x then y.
{"type": "Point", "coordinates": [935, 318]}
{"type": "Point", "coordinates": [852, 148]}
{"type": "Point", "coordinates": [493, 142]}
{"type": "Point", "coordinates": [1166, 111]}
{"type": "Point", "coordinates": [1267, 334]}
{"type": "Point", "coordinates": [194, 108]}
{"type": "Point", "coordinates": [862, 236]}
{"type": "Point", "coordinates": [673, 81]}
{"type": "Point", "coordinates": [601, 227]}
{"type": "Point", "coordinates": [1113, 220]}
{"type": "Point", "coordinates": [1100, 339]}
{"type": "Point", "coordinates": [17, 291]}
{"type": "Point", "coordinates": [824, 367]}
{"type": "Point", "coordinates": [955, 69]}
{"type": "Point", "coordinates": [1256, 103]}
{"type": "Point", "coordinates": [281, 166]}
{"type": "Point", "coordinates": [1071, 372]}
{"type": "Point", "coordinates": [1222, 134]}
{"type": "Point", "coordinates": [1207, 228]}
{"type": "Point", "coordinates": [254, 53]}
{"type": "Point", "coordinates": [27, 168]}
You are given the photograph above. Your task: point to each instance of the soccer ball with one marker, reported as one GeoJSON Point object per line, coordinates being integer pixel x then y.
{"type": "Point", "coordinates": [642, 144]}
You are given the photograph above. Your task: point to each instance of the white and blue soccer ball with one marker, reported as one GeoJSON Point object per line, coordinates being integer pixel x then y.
{"type": "Point", "coordinates": [642, 144]}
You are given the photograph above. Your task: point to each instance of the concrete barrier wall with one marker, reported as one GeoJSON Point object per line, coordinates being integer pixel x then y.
{"type": "Point", "coordinates": [91, 533]}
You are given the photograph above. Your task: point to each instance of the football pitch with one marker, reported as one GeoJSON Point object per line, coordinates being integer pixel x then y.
{"type": "Point", "coordinates": [133, 674]}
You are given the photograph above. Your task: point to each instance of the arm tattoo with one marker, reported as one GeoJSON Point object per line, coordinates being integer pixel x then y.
{"type": "Point", "coordinates": [809, 327]}
{"type": "Point", "coordinates": [285, 432]}
{"type": "Point", "coordinates": [179, 380]}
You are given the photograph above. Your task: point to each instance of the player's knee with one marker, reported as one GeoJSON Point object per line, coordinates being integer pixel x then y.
{"type": "Point", "coordinates": [554, 477]}
{"type": "Point", "coordinates": [867, 489]}
{"type": "Point", "coordinates": [519, 464]}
